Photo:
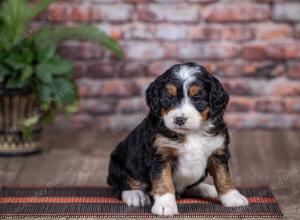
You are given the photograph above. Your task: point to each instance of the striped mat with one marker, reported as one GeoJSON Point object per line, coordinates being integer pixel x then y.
{"type": "Point", "coordinates": [99, 202]}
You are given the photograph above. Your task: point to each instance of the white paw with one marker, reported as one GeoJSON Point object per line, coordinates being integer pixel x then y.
{"type": "Point", "coordinates": [165, 205]}
{"type": "Point", "coordinates": [233, 199]}
{"type": "Point", "coordinates": [135, 198]}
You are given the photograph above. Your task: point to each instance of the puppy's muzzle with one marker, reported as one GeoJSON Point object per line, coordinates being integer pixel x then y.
{"type": "Point", "coordinates": [180, 120]}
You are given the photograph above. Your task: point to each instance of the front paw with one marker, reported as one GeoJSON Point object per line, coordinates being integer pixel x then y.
{"type": "Point", "coordinates": [233, 199]}
{"type": "Point", "coordinates": [165, 205]}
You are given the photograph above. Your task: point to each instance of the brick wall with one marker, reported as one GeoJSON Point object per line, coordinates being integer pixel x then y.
{"type": "Point", "coordinates": [253, 46]}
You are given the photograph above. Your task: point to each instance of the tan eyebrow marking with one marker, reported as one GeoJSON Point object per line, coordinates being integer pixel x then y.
{"type": "Point", "coordinates": [172, 90]}
{"type": "Point", "coordinates": [194, 90]}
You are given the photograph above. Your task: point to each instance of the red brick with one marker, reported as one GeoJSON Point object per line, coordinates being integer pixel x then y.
{"type": "Point", "coordinates": [112, 12]}
{"type": "Point", "coordinates": [204, 32]}
{"type": "Point", "coordinates": [114, 31]}
{"type": "Point", "coordinates": [287, 11]}
{"type": "Point", "coordinates": [230, 69]}
{"type": "Point", "coordinates": [297, 31]}
{"type": "Point", "coordinates": [240, 104]}
{"type": "Point", "coordinates": [239, 11]}
{"type": "Point", "coordinates": [270, 31]}
{"type": "Point", "coordinates": [165, 12]}
{"type": "Point", "coordinates": [270, 104]}
{"type": "Point", "coordinates": [96, 106]}
{"type": "Point", "coordinates": [144, 31]}
{"type": "Point", "coordinates": [283, 87]}
{"type": "Point", "coordinates": [159, 67]}
{"type": "Point", "coordinates": [293, 70]}
{"type": "Point", "coordinates": [103, 69]}
{"type": "Point", "coordinates": [171, 32]}
{"type": "Point", "coordinates": [209, 65]}
{"type": "Point", "coordinates": [265, 51]}
{"type": "Point", "coordinates": [57, 13]}
{"type": "Point", "coordinates": [292, 105]}
{"type": "Point", "coordinates": [132, 105]}
{"type": "Point", "coordinates": [80, 14]}
{"type": "Point", "coordinates": [238, 32]}
{"type": "Point", "coordinates": [291, 49]}
{"type": "Point", "coordinates": [208, 50]}
{"type": "Point", "coordinates": [202, 1]}
{"type": "Point", "coordinates": [261, 120]}
{"type": "Point", "coordinates": [263, 69]}
{"type": "Point", "coordinates": [113, 87]}
{"type": "Point", "coordinates": [80, 69]}
{"type": "Point", "coordinates": [238, 86]}
{"type": "Point", "coordinates": [134, 69]}
{"type": "Point", "coordinates": [145, 50]}
{"type": "Point", "coordinates": [80, 50]}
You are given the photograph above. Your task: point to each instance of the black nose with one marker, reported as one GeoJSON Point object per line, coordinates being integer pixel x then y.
{"type": "Point", "coordinates": [180, 120]}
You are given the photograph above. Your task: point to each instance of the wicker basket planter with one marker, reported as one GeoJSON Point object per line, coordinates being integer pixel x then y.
{"type": "Point", "coordinates": [15, 107]}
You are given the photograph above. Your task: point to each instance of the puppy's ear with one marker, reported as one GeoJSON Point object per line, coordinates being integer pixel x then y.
{"type": "Point", "coordinates": [153, 97]}
{"type": "Point", "coordinates": [218, 99]}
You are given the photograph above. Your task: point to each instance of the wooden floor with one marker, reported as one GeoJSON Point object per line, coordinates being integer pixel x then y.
{"type": "Point", "coordinates": [81, 158]}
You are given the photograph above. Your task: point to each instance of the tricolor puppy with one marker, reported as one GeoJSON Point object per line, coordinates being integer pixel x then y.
{"type": "Point", "coordinates": [182, 139]}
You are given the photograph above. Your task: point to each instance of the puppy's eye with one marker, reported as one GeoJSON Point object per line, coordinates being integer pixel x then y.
{"type": "Point", "coordinates": [169, 95]}
{"type": "Point", "coordinates": [196, 97]}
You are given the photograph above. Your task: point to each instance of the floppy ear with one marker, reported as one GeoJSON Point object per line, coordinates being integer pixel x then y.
{"type": "Point", "coordinates": [153, 98]}
{"type": "Point", "coordinates": [218, 99]}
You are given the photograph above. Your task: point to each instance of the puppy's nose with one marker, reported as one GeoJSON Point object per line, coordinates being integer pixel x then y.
{"type": "Point", "coordinates": [180, 120]}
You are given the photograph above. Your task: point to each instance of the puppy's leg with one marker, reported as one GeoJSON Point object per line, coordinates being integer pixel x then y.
{"type": "Point", "coordinates": [135, 196]}
{"type": "Point", "coordinates": [218, 168]}
{"type": "Point", "coordinates": [163, 192]}
{"type": "Point", "coordinates": [203, 190]}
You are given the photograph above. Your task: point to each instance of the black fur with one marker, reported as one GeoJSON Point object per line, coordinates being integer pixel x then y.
{"type": "Point", "coordinates": [135, 157]}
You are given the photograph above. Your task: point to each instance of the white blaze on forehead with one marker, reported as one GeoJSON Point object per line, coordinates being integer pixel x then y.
{"type": "Point", "coordinates": [185, 72]}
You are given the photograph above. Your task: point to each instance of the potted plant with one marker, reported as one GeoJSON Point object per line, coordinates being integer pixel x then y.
{"type": "Point", "coordinates": [35, 81]}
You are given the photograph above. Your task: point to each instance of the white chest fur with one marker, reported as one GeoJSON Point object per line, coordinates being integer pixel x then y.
{"type": "Point", "coordinates": [193, 156]}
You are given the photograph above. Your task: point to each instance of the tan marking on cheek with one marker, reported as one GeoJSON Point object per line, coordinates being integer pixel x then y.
{"type": "Point", "coordinates": [164, 183]}
{"type": "Point", "coordinates": [220, 174]}
{"type": "Point", "coordinates": [171, 89]}
{"type": "Point", "coordinates": [194, 90]}
{"type": "Point", "coordinates": [165, 111]}
{"type": "Point", "coordinates": [204, 114]}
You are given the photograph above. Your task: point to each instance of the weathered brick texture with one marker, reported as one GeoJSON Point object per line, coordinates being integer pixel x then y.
{"type": "Point", "coordinates": [252, 46]}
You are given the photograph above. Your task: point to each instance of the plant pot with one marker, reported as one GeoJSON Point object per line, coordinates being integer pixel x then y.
{"type": "Point", "coordinates": [15, 107]}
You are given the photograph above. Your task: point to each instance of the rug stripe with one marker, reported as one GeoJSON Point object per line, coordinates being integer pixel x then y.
{"type": "Point", "coordinates": [109, 200]}
{"type": "Point", "coordinates": [99, 202]}
{"type": "Point", "coordinates": [97, 192]}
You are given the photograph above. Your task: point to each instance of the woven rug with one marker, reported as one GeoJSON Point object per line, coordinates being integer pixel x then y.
{"type": "Point", "coordinates": [99, 202]}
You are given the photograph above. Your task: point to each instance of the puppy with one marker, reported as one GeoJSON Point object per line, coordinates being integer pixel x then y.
{"type": "Point", "coordinates": [172, 150]}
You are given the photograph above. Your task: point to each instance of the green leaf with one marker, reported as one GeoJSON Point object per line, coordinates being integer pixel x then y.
{"type": "Point", "coordinates": [44, 54]}
{"type": "Point", "coordinates": [33, 120]}
{"type": "Point", "coordinates": [72, 108]}
{"type": "Point", "coordinates": [43, 93]}
{"type": "Point", "coordinates": [60, 66]}
{"type": "Point", "coordinates": [14, 83]}
{"type": "Point", "coordinates": [16, 61]}
{"type": "Point", "coordinates": [3, 73]}
{"type": "Point", "coordinates": [27, 133]}
{"type": "Point", "coordinates": [47, 117]}
{"type": "Point", "coordinates": [26, 73]}
{"type": "Point", "coordinates": [41, 6]}
{"type": "Point", "coordinates": [43, 73]}
{"type": "Point", "coordinates": [28, 124]}
{"type": "Point", "coordinates": [64, 91]}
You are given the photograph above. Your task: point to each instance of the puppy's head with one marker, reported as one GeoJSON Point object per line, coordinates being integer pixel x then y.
{"type": "Point", "coordinates": [185, 97]}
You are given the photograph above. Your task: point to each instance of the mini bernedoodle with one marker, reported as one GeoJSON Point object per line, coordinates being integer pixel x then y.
{"type": "Point", "coordinates": [182, 140]}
